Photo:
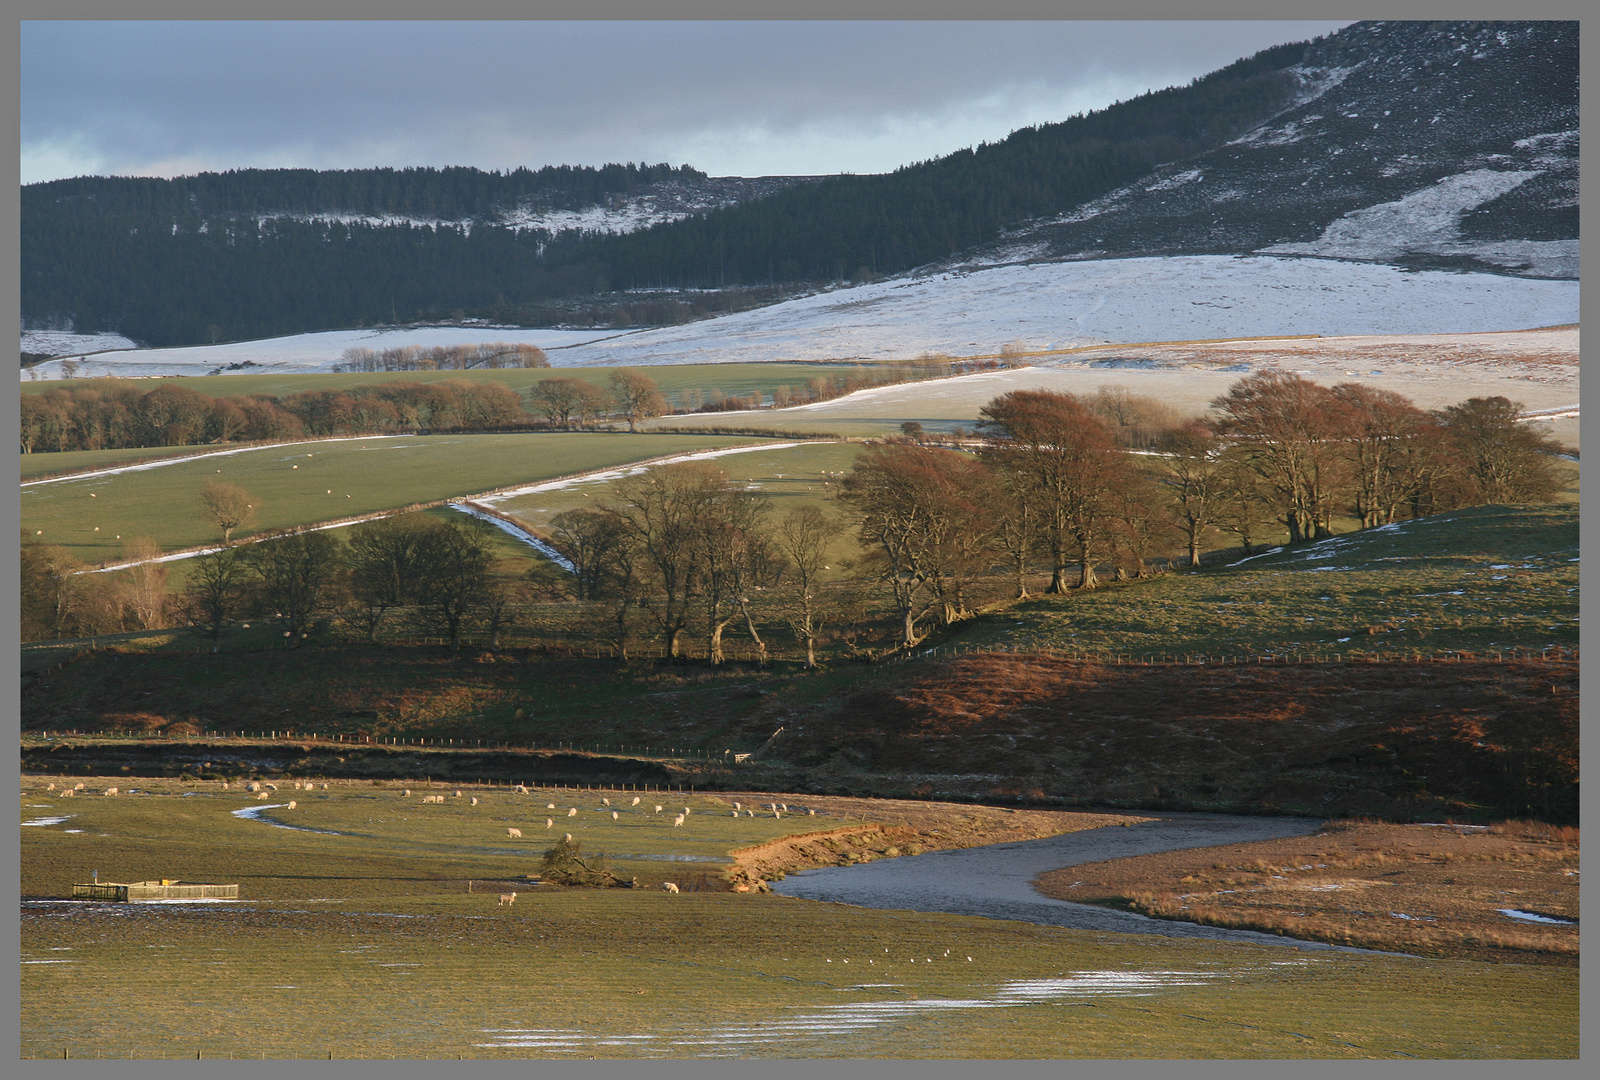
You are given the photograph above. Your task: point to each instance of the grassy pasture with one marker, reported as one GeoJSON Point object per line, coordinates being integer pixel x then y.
{"type": "Point", "coordinates": [363, 942]}
{"type": "Point", "coordinates": [306, 483]}
{"type": "Point", "coordinates": [1483, 579]}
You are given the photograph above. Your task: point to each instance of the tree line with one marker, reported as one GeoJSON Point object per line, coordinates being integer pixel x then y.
{"type": "Point", "coordinates": [114, 414]}
{"type": "Point", "coordinates": [1071, 487]}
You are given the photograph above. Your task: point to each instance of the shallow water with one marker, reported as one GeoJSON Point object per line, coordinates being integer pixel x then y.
{"type": "Point", "coordinates": [996, 881]}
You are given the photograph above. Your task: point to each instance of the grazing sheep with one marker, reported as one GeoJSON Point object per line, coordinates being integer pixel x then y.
{"type": "Point", "coordinates": [572, 811]}
{"type": "Point", "coordinates": [749, 813]}
{"type": "Point", "coordinates": [613, 815]}
{"type": "Point", "coordinates": [549, 823]}
{"type": "Point", "coordinates": [224, 785]}
{"type": "Point", "coordinates": [324, 787]}
{"type": "Point", "coordinates": [514, 832]}
{"type": "Point", "coordinates": [297, 785]}
{"type": "Point", "coordinates": [67, 793]}
{"type": "Point", "coordinates": [735, 813]}
{"type": "Point", "coordinates": [507, 898]}
{"type": "Point", "coordinates": [78, 786]}
{"type": "Point", "coordinates": [253, 786]}
{"type": "Point", "coordinates": [520, 789]}
{"type": "Point", "coordinates": [458, 794]}
{"type": "Point", "coordinates": [568, 838]}
{"type": "Point", "coordinates": [549, 806]}
{"type": "Point", "coordinates": [658, 809]}
{"type": "Point", "coordinates": [52, 787]}
{"type": "Point", "coordinates": [605, 802]}
{"type": "Point", "coordinates": [784, 807]}
{"type": "Point", "coordinates": [677, 821]}
{"type": "Point", "coordinates": [667, 886]}
{"type": "Point", "coordinates": [811, 813]}
{"type": "Point", "coordinates": [777, 814]}
{"type": "Point", "coordinates": [272, 787]}
{"type": "Point", "coordinates": [474, 800]}
{"type": "Point", "coordinates": [111, 791]}
{"type": "Point", "coordinates": [261, 794]}
{"type": "Point", "coordinates": [635, 801]}
{"type": "Point", "coordinates": [405, 793]}
{"type": "Point", "coordinates": [685, 811]}
{"type": "Point", "coordinates": [291, 804]}
{"type": "Point", "coordinates": [737, 806]}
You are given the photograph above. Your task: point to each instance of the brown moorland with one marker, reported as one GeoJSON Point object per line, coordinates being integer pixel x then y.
{"type": "Point", "coordinates": [1437, 890]}
{"type": "Point", "coordinates": [1400, 740]}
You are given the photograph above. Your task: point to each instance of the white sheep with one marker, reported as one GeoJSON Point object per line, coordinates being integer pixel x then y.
{"type": "Point", "coordinates": [78, 786]}
{"type": "Point", "coordinates": [514, 832]}
{"type": "Point", "coordinates": [613, 815]}
{"type": "Point", "coordinates": [261, 794]}
{"type": "Point", "coordinates": [52, 787]}
{"type": "Point", "coordinates": [67, 793]}
{"type": "Point", "coordinates": [291, 804]}
{"type": "Point", "coordinates": [549, 806]}
{"type": "Point", "coordinates": [685, 811]}
{"type": "Point", "coordinates": [605, 802]}
{"type": "Point", "coordinates": [474, 800]}
{"type": "Point", "coordinates": [405, 793]}
{"type": "Point", "coordinates": [658, 809]}
{"type": "Point", "coordinates": [458, 793]}
{"type": "Point", "coordinates": [784, 807]}
{"type": "Point", "coordinates": [677, 821]}
{"type": "Point", "coordinates": [272, 787]}
{"type": "Point", "coordinates": [507, 898]}
{"type": "Point", "coordinates": [735, 813]}
{"type": "Point", "coordinates": [777, 814]}
{"type": "Point", "coordinates": [224, 785]}
{"type": "Point", "coordinates": [253, 786]}
{"type": "Point", "coordinates": [572, 811]}
{"type": "Point", "coordinates": [667, 886]}
{"type": "Point", "coordinates": [297, 785]}
{"type": "Point", "coordinates": [568, 838]}
{"type": "Point", "coordinates": [811, 813]}
{"type": "Point", "coordinates": [549, 823]}
{"type": "Point", "coordinates": [737, 806]}
{"type": "Point", "coordinates": [634, 803]}
{"type": "Point", "coordinates": [111, 791]}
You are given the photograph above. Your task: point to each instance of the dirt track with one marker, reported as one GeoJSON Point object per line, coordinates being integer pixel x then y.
{"type": "Point", "coordinates": [997, 881]}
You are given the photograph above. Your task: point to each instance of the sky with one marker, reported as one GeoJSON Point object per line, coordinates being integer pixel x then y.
{"type": "Point", "coordinates": [729, 98]}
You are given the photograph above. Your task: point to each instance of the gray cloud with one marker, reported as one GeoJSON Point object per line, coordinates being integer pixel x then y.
{"type": "Point", "coordinates": [733, 98]}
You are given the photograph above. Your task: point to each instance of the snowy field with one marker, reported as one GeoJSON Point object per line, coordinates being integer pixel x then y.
{"type": "Point", "coordinates": [1038, 306]}
{"type": "Point", "coordinates": [298, 353]}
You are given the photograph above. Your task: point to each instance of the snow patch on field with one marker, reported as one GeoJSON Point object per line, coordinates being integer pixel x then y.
{"type": "Point", "coordinates": [1057, 305]}
{"type": "Point", "coordinates": [68, 343]}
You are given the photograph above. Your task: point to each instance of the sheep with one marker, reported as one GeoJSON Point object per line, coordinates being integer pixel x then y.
{"type": "Point", "coordinates": [735, 813]}
{"type": "Point", "coordinates": [568, 838]}
{"type": "Point", "coordinates": [668, 886]}
{"type": "Point", "coordinates": [520, 789]}
{"type": "Point", "coordinates": [777, 814]}
{"type": "Point", "coordinates": [685, 811]}
{"type": "Point", "coordinates": [261, 795]}
{"type": "Point", "coordinates": [514, 832]}
{"type": "Point", "coordinates": [297, 785]}
{"type": "Point", "coordinates": [635, 801]}
{"type": "Point", "coordinates": [605, 802]}
{"type": "Point", "coordinates": [224, 785]}
{"type": "Point", "coordinates": [677, 821]}
{"type": "Point", "coordinates": [737, 806]}
{"type": "Point", "coordinates": [811, 813]}
{"type": "Point", "coordinates": [458, 793]}
{"type": "Point", "coordinates": [572, 811]}
{"type": "Point", "coordinates": [549, 806]}
{"type": "Point", "coordinates": [78, 786]}
{"type": "Point", "coordinates": [253, 786]}
{"type": "Point", "coordinates": [406, 793]}
{"type": "Point", "coordinates": [111, 791]}
{"type": "Point", "coordinates": [474, 800]}
{"type": "Point", "coordinates": [658, 809]}
{"type": "Point", "coordinates": [507, 898]}
{"type": "Point", "coordinates": [271, 787]}
{"type": "Point", "coordinates": [549, 823]}
{"type": "Point", "coordinates": [67, 793]}
{"type": "Point", "coordinates": [784, 807]}
{"type": "Point", "coordinates": [291, 804]}
{"type": "Point", "coordinates": [324, 787]}
{"type": "Point", "coordinates": [613, 815]}
{"type": "Point", "coordinates": [52, 787]}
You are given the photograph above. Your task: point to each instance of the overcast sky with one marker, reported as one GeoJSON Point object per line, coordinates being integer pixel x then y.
{"type": "Point", "coordinates": [731, 98]}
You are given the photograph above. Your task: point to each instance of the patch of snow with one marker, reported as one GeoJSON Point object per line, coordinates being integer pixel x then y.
{"type": "Point", "coordinates": [49, 820]}
{"type": "Point", "coordinates": [68, 343]}
{"type": "Point", "coordinates": [1528, 916]}
{"type": "Point", "coordinates": [1425, 221]}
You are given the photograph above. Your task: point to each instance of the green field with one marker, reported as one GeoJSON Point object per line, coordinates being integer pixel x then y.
{"type": "Point", "coordinates": [1483, 579]}
{"type": "Point", "coordinates": [363, 942]}
{"type": "Point", "coordinates": [795, 476]}
{"type": "Point", "coordinates": [315, 482]}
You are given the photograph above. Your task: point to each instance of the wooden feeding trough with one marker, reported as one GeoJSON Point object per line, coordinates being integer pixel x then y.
{"type": "Point", "coordinates": [165, 889]}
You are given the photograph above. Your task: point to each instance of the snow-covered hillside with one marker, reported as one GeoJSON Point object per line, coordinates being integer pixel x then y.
{"type": "Point", "coordinates": [1047, 305]}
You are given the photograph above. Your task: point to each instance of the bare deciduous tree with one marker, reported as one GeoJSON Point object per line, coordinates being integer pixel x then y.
{"type": "Point", "coordinates": [228, 506]}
